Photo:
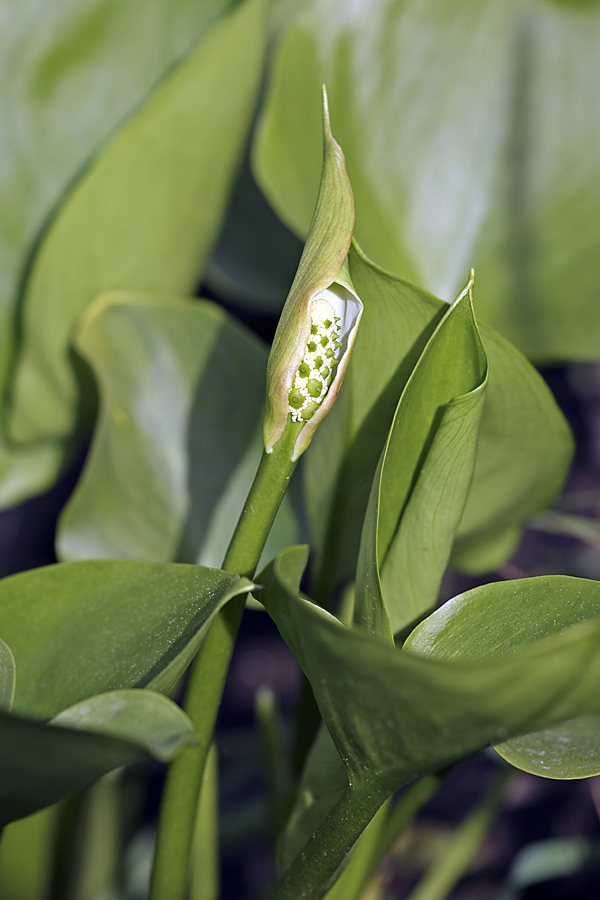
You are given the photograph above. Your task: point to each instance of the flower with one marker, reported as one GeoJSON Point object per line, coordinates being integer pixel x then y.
{"type": "Point", "coordinates": [318, 325]}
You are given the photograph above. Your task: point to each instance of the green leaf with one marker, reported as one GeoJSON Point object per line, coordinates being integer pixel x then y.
{"type": "Point", "coordinates": [132, 716]}
{"type": "Point", "coordinates": [42, 763]}
{"type": "Point", "coordinates": [567, 750]}
{"type": "Point", "coordinates": [79, 629]}
{"type": "Point", "coordinates": [497, 618]}
{"type": "Point", "coordinates": [354, 876]}
{"type": "Point", "coordinates": [486, 157]}
{"type": "Point", "coordinates": [424, 475]}
{"type": "Point", "coordinates": [7, 676]}
{"type": "Point", "coordinates": [204, 860]}
{"type": "Point", "coordinates": [26, 854]}
{"type": "Point", "coordinates": [178, 438]}
{"type": "Point", "coordinates": [144, 216]}
{"type": "Point", "coordinates": [323, 782]}
{"type": "Point", "coordinates": [524, 454]}
{"type": "Point", "coordinates": [396, 715]}
{"type": "Point", "coordinates": [524, 445]}
{"type": "Point", "coordinates": [25, 471]}
{"type": "Point", "coordinates": [547, 861]}
{"type": "Point", "coordinates": [255, 259]}
{"type": "Point", "coordinates": [69, 75]}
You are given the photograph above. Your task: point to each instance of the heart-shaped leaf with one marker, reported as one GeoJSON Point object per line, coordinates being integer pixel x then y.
{"type": "Point", "coordinates": [79, 629]}
{"type": "Point", "coordinates": [42, 763]}
{"type": "Point", "coordinates": [486, 157]}
{"type": "Point", "coordinates": [178, 439]}
{"type": "Point", "coordinates": [144, 216]}
{"type": "Point", "coordinates": [69, 75]}
{"type": "Point", "coordinates": [524, 446]}
{"type": "Point", "coordinates": [495, 619]}
{"type": "Point", "coordinates": [395, 715]}
{"type": "Point", "coordinates": [423, 476]}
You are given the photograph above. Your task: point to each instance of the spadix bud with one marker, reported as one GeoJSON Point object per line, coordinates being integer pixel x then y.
{"type": "Point", "coordinates": [319, 322]}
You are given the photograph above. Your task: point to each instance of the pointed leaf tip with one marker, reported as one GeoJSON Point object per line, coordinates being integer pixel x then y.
{"type": "Point", "coordinates": [326, 119]}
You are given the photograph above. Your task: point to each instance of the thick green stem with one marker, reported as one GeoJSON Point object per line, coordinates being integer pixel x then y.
{"type": "Point", "coordinates": [310, 874]}
{"type": "Point", "coordinates": [208, 673]}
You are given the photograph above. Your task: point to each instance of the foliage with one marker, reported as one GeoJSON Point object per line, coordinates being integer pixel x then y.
{"type": "Point", "coordinates": [125, 184]}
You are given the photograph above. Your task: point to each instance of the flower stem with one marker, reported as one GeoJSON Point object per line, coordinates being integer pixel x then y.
{"type": "Point", "coordinates": [208, 673]}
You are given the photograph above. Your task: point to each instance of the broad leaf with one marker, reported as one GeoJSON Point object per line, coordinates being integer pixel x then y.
{"type": "Point", "coordinates": [524, 444]}
{"type": "Point", "coordinates": [486, 156]}
{"type": "Point", "coordinates": [395, 715]}
{"type": "Point", "coordinates": [144, 216]}
{"type": "Point", "coordinates": [79, 629]}
{"type": "Point", "coordinates": [42, 763]}
{"type": "Point", "coordinates": [178, 439]}
{"type": "Point", "coordinates": [140, 717]}
{"type": "Point", "coordinates": [69, 75]}
{"type": "Point", "coordinates": [423, 477]}
{"type": "Point", "coordinates": [255, 259]}
{"type": "Point", "coordinates": [495, 619]}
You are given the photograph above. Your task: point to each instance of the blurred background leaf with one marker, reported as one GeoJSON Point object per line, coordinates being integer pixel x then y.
{"type": "Point", "coordinates": [26, 856]}
{"type": "Point", "coordinates": [471, 135]}
{"type": "Point", "coordinates": [68, 79]}
{"type": "Point", "coordinates": [179, 436]}
{"type": "Point", "coordinates": [7, 676]}
{"type": "Point", "coordinates": [255, 258]}
{"type": "Point", "coordinates": [547, 861]}
{"type": "Point", "coordinates": [144, 215]}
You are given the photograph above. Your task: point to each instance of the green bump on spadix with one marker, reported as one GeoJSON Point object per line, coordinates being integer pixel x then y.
{"type": "Point", "coordinates": [311, 383]}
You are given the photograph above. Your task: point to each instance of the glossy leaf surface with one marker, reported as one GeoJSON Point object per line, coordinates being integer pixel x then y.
{"type": "Point", "coordinates": [485, 157]}
{"type": "Point", "coordinates": [424, 475]}
{"type": "Point", "coordinates": [524, 445]}
{"type": "Point", "coordinates": [178, 439]}
{"type": "Point", "coordinates": [143, 216]}
{"type": "Point", "coordinates": [494, 620]}
{"type": "Point", "coordinates": [40, 764]}
{"type": "Point", "coordinates": [79, 629]}
{"type": "Point", "coordinates": [68, 78]}
{"type": "Point", "coordinates": [394, 715]}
